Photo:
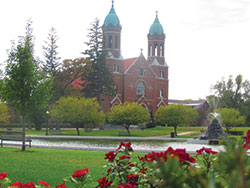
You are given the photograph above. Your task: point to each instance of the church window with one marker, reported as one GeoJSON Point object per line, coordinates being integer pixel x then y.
{"type": "Point", "coordinates": [161, 93]}
{"type": "Point", "coordinates": [141, 72]}
{"type": "Point", "coordinates": [116, 41]}
{"type": "Point", "coordinates": [115, 68]}
{"type": "Point", "coordinates": [161, 50]}
{"type": "Point", "coordinates": [110, 41]}
{"type": "Point", "coordinates": [150, 50]}
{"type": "Point", "coordinates": [155, 50]}
{"type": "Point", "coordinates": [140, 88]}
{"type": "Point", "coordinates": [161, 74]}
{"type": "Point", "coordinates": [116, 89]}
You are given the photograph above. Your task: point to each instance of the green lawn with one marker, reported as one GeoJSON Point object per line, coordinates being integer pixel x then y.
{"type": "Point", "coordinates": [156, 131]}
{"type": "Point", "coordinates": [50, 165]}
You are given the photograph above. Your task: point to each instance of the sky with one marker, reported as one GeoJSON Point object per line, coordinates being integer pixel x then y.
{"type": "Point", "coordinates": [206, 40]}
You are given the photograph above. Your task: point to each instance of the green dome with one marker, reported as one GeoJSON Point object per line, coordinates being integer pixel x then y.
{"type": "Point", "coordinates": [112, 18]}
{"type": "Point", "coordinates": [156, 27]}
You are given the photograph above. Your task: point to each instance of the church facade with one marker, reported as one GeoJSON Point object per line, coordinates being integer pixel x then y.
{"type": "Point", "coordinates": [140, 79]}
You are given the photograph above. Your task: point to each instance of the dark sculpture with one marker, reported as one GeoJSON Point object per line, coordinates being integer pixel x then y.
{"type": "Point", "coordinates": [214, 131]}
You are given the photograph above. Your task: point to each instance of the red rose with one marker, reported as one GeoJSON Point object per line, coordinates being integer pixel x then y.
{"type": "Point", "coordinates": [104, 182]}
{"type": "Point", "coordinates": [183, 156]}
{"type": "Point", "coordinates": [207, 150]}
{"type": "Point", "coordinates": [128, 185]}
{"type": "Point", "coordinates": [127, 146]}
{"type": "Point", "coordinates": [80, 173]}
{"type": "Point", "coordinates": [247, 141]}
{"type": "Point", "coordinates": [29, 185]}
{"type": "Point", "coordinates": [43, 183]}
{"type": "Point", "coordinates": [17, 184]}
{"type": "Point", "coordinates": [110, 156]}
{"type": "Point", "coordinates": [3, 175]}
{"type": "Point", "coordinates": [124, 157]}
{"type": "Point", "coordinates": [61, 185]}
{"type": "Point", "coordinates": [22, 185]}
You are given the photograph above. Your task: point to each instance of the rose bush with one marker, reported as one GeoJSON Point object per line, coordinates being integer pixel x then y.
{"type": "Point", "coordinates": [171, 168]}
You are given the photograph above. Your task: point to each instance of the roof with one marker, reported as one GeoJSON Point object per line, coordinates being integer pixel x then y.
{"type": "Point", "coordinates": [128, 62]}
{"type": "Point", "coordinates": [77, 83]}
{"type": "Point", "coordinates": [112, 18]}
{"type": "Point", "coordinates": [156, 27]}
{"type": "Point", "coordinates": [193, 103]}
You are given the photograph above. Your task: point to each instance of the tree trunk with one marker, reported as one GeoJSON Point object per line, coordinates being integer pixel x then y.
{"type": "Point", "coordinates": [127, 127]}
{"type": "Point", "coordinates": [175, 130]}
{"type": "Point", "coordinates": [78, 132]}
{"type": "Point", "coordinates": [23, 144]}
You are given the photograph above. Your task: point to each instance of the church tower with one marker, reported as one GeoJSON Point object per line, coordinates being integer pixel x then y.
{"type": "Point", "coordinates": [156, 42]}
{"type": "Point", "coordinates": [112, 34]}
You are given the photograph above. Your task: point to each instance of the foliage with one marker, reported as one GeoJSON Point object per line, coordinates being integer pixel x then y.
{"type": "Point", "coordinates": [70, 71]}
{"type": "Point", "coordinates": [51, 65]}
{"type": "Point", "coordinates": [128, 114]}
{"type": "Point", "coordinates": [4, 113]}
{"type": "Point", "coordinates": [230, 117]}
{"type": "Point", "coordinates": [24, 86]}
{"type": "Point", "coordinates": [176, 114]}
{"type": "Point", "coordinates": [78, 111]}
{"type": "Point", "coordinates": [98, 80]}
{"type": "Point", "coordinates": [38, 117]}
{"type": "Point", "coordinates": [234, 94]}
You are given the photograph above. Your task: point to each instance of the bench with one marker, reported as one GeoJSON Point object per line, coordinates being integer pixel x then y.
{"type": "Point", "coordinates": [55, 132]}
{"type": "Point", "coordinates": [123, 134]}
{"type": "Point", "coordinates": [15, 138]}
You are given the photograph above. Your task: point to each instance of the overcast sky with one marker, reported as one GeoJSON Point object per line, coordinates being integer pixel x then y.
{"type": "Point", "coordinates": [205, 39]}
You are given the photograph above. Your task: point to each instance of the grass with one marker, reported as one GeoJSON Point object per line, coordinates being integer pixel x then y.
{"type": "Point", "coordinates": [50, 165]}
{"type": "Point", "coordinates": [150, 132]}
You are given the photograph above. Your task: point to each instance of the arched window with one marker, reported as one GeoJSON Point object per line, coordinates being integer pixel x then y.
{"type": "Point", "coordinates": [155, 50]}
{"type": "Point", "coordinates": [150, 50]}
{"type": "Point", "coordinates": [140, 88]}
{"type": "Point", "coordinates": [161, 50]}
{"type": "Point", "coordinates": [110, 41]}
{"type": "Point", "coordinates": [161, 93]}
{"type": "Point", "coordinates": [115, 68]}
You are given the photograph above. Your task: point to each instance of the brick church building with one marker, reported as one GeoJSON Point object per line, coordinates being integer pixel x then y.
{"type": "Point", "coordinates": [140, 79]}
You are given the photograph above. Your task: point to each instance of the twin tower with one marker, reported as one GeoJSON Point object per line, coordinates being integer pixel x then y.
{"type": "Point", "coordinates": [139, 79]}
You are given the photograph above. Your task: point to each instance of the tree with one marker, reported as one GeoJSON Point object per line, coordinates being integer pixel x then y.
{"type": "Point", "coordinates": [4, 113]}
{"type": "Point", "coordinates": [24, 86]}
{"type": "Point", "coordinates": [231, 117]}
{"type": "Point", "coordinates": [51, 65]}
{"type": "Point", "coordinates": [176, 114]}
{"type": "Point", "coordinates": [80, 112]}
{"type": "Point", "coordinates": [234, 94]}
{"type": "Point", "coordinates": [98, 81]}
{"type": "Point", "coordinates": [70, 71]}
{"type": "Point", "coordinates": [128, 114]}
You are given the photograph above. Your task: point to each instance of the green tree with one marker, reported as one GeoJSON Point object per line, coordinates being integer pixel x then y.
{"type": "Point", "coordinates": [234, 94]}
{"type": "Point", "coordinates": [51, 64]}
{"type": "Point", "coordinates": [4, 113]}
{"type": "Point", "coordinates": [80, 112]}
{"type": "Point", "coordinates": [70, 71]}
{"type": "Point", "coordinates": [98, 81]}
{"type": "Point", "coordinates": [24, 86]}
{"type": "Point", "coordinates": [230, 117]}
{"type": "Point", "coordinates": [176, 114]}
{"type": "Point", "coordinates": [128, 114]}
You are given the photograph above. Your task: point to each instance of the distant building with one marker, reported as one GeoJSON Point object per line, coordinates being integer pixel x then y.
{"type": "Point", "coordinates": [140, 79]}
{"type": "Point", "coordinates": [201, 106]}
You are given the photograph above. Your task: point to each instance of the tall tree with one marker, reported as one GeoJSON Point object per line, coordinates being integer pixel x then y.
{"type": "Point", "coordinates": [24, 86]}
{"type": "Point", "coordinates": [98, 81]}
{"type": "Point", "coordinates": [51, 64]}
{"type": "Point", "coordinates": [234, 94]}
